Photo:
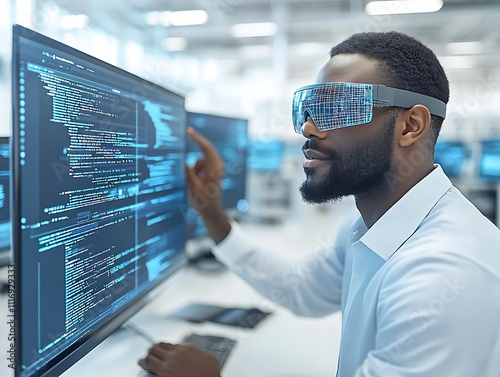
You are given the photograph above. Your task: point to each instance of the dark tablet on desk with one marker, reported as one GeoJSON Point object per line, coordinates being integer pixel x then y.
{"type": "Point", "coordinates": [241, 317]}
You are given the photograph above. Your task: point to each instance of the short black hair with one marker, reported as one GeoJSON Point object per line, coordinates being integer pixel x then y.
{"type": "Point", "coordinates": [405, 63]}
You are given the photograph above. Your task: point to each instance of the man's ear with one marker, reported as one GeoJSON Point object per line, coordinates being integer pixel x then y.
{"type": "Point", "coordinates": [413, 125]}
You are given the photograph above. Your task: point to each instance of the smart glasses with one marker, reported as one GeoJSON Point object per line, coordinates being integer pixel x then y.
{"type": "Point", "coordinates": [335, 105]}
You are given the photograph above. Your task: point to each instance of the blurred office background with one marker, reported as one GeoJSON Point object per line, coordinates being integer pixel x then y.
{"type": "Point", "coordinates": [244, 58]}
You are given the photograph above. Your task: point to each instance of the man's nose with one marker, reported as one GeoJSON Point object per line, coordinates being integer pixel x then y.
{"type": "Point", "coordinates": [309, 129]}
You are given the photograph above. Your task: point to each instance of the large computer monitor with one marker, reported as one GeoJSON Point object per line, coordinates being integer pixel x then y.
{"type": "Point", "coordinates": [99, 187]}
{"type": "Point", "coordinates": [451, 155]}
{"type": "Point", "coordinates": [5, 224]}
{"type": "Point", "coordinates": [230, 137]}
{"type": "Point", "coordinates": [489, 160]}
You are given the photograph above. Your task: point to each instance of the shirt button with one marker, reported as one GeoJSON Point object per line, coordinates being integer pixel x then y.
{"type": "Point", "coordinates": [353, 235]}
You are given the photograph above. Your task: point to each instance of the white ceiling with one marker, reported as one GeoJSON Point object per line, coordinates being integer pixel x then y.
{"type": "Point", "coordinates": [307, 27]}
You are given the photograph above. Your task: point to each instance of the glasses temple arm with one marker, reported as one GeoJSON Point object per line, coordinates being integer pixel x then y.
{"type": "Point", "coordinates": [384, 96]}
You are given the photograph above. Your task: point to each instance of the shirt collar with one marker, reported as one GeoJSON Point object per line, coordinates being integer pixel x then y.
{"type": "Point", "coordinates": [404, 217]}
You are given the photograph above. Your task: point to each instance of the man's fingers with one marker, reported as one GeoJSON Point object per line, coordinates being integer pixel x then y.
{"type": "Point", "coordinates": [156, 357]}
{"type": "Point", "coordinates": [191, 176]}
{"type": "Point", "coordinates": [211, 161]}
{"type": "Point", "coordinates": [168, 360]}
{"type": "Point", "coordinates": [161, 349]}
{"type": "Point", "coordinates": [151, 363]}
{"type": "Point", "coordinates": [205, 145]}
{"type": "Point", "coordinates": [199, 165]}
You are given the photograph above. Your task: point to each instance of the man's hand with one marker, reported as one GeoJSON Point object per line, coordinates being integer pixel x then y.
{"type": "Point", "coordinates": [204, 184]}
{"type": "Point", "coordinates": [180, 360]}
{"type": "Point", "coordinates": [204, 178]}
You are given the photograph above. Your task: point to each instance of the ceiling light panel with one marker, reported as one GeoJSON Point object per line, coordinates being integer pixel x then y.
{"type": "Point", "coordinates": [377, 8]}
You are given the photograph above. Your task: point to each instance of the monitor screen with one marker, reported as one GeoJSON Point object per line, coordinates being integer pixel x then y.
{"type": "Point", "coordinates": [99, 187]}
{"type": "Point", "coordinates": [230, 138]}
{"type": "Point", "coordinates": [451, 155]}
{"type": "Point", "coordinates": [489, 160]}
{"type": "Point", "coordinates": [266, 156]}
{"type": "Point", "coordinates": [5, 225]}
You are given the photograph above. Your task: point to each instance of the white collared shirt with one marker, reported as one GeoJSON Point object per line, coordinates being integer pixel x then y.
{"type": "Point", "coordinates": [419, 291]}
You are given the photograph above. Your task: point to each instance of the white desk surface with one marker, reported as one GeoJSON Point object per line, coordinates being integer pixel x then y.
{"type": "Point", "coordinates": [281, 345]}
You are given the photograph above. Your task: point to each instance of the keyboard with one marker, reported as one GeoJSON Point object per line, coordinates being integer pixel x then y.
{"type": "Point", "coordinates": [218, 345]}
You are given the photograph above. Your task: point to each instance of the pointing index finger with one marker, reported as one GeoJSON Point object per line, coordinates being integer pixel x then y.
{"type": "Point", "coordinates": [205, 145]}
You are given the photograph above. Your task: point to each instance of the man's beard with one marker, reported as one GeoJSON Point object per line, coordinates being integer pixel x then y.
{"type": "Point", "coordinates": [353, 173]}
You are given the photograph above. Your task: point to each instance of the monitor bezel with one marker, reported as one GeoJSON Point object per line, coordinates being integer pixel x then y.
{"type": "Point", "coordinates": [93, 338]}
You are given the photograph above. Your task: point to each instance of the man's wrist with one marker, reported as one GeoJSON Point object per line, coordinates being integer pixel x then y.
{"type": "Point", "coordinates": [216, 222]}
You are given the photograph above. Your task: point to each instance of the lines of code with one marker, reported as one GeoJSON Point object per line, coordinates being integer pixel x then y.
{"type": "Point", "coordinates": [103, 184]}
{"type": "Point", "coordinates": [106, 157]}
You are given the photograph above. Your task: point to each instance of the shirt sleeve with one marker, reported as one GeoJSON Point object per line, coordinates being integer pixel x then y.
{"type": "Point", "coordinates": [434, 319]}
{"type": "Point", "coordinates": [310, 287]}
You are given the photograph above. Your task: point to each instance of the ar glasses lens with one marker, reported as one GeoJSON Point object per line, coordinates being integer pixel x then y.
{"type": "Point", "coordinates": [332, 105]}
